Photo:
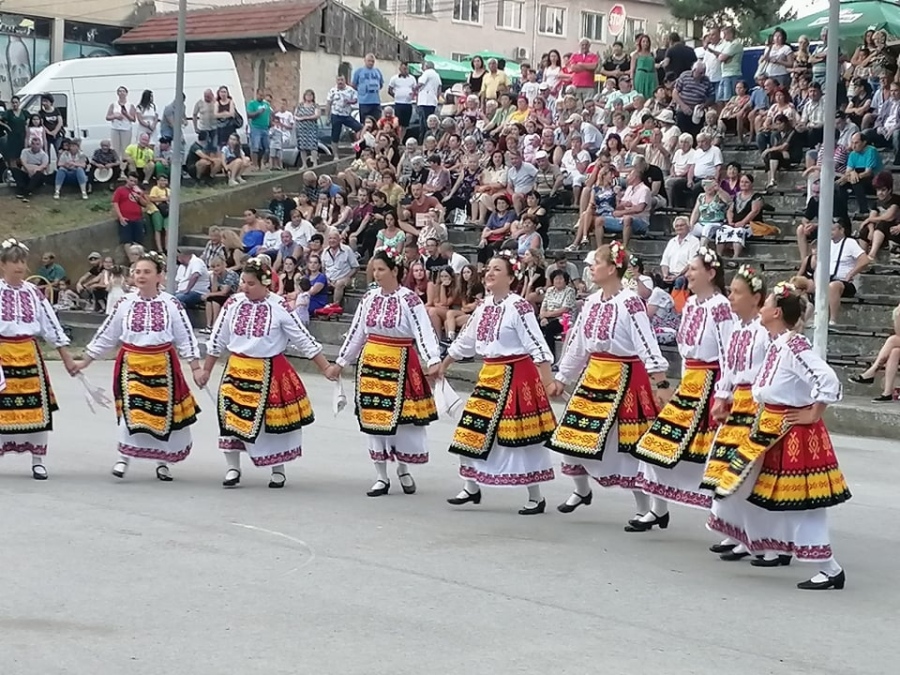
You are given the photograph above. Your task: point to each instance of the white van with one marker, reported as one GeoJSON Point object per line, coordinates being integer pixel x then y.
{"type": "Point", "coordinates": [83, 89]}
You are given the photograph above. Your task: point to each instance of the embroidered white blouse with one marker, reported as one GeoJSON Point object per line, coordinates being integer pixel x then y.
{"type": "Point", "coordinates": [705, 329]}
{"type": "Point", "coordinates": [259, 329]}
{"type": "Point", "coordinates": [617, 325]}
{"type": "Point", "coordinates": [146, 323]}
{"type": "Point", "coordinates": [400, 314]}
{"type": "Point", "coordinates": [746, 351]}
{"type": "Point", "coordinates": [505, 328]}
{"type": "Point", "coordinates": [25, 311]}
{"type": "Point", "coordinates": [794, 375]}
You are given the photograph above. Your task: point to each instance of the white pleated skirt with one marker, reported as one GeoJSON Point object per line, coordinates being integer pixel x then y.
{"type": "Point", "coordinates": [408, 445]}
{"type": "Point", "coordinates": [269, 449]}
{"type": "Point", "coordinates": [615, 470]}
{"type": "Point", "coordinates": [509, 467]}
{"type": "Point", "coordinates": [145, 446]}
{"type": "Point", "coordinates": [678, 485]}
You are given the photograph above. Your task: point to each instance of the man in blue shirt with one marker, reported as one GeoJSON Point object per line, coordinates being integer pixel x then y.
{"type": "Point", "coordinates": [368, 82]}
{"type": "Point", "coordinates": [862, 165]}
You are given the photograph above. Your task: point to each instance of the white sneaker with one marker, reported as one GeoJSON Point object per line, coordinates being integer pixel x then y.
{"type": "Point", "coordinates": [55, 195]}
{"type": "Point", "coordinates": [84, 195]}
{"type": "Point", "coordinates": [232, 182]}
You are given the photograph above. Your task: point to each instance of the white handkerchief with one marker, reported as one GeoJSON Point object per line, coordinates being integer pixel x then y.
{"type": "Point", "coordinates": [338, 399]}
{"type": "Point", "coordinates": [94, 395]}
{"type": "Point", "coordinates": [446, 400]}
{"type": "Point", "coordinates": [2, 379]}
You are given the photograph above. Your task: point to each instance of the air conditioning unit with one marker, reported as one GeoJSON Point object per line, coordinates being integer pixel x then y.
{"type": "Point", "coordinates": [521, 54]}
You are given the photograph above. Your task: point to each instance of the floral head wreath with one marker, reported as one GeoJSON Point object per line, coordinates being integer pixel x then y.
{"type": "Point", "coordinates": [751, 277]}
{"type": "Point", "coordinates": [157, 259]}
{"type": "Point", "coordinates": [13, 243]}
{"type": "Point", "coordinates": [784, 289]}
{"type": "Point", "coordinates": [618, 256]}
{"type": "Point", "coordinates": [709, 257]}
{"type": "Point", "coordinates": [514, 262]}
{"type": "Point", "coordinates": [261, 266]}
{"type": "Point", "coordinates": [391, 252]}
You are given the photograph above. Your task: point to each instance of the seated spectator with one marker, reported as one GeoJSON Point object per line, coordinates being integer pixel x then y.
{"type": "Point", "coordinates": [423, 216]}
{"type": "Point", "coordinates": [253, 231]}
{"type": "Point", "coordinates": [886, 131]}
{"type": "Point", "coordinates": [632, 213]}
{"type": "Point", "coordinates": [861, 102]}
{"type": "Point", "coordinates": [677, 256]}
{"type": "Point", "coordinates": [664, 318]}
{"type": "Point", "coordinates": [213, 248]}
{"type": "Point", "coordinates": [602, 205]}
{"type": "Point", "coordinates": [443, 296]}
{"type": "Point", "coordinates": [711, 128]}
{"type": "Point", "coordinates": [743, 211]}
{"type": "Point", "coordinates": [33, 164]}
{"type": "Point", "coordinates": [139, 159]}
{"type": "Point", "coordinates": [889, 357]}
{"type": "Point", "coordinates": [71, 167]}
{"type": "Point", "coordinates": [453, 259]}
{"type": "Point", "coordinates": [438, 181]}
{"type": "Point", "coordinates": [162, 158]}
{"type": "Point", "coordinates": [461, 194]}
{"type": "Point", "coordinates": [534, 277]}
{"type": "Point", "coordinates": [561, 262]}
{"type": "Point", "coordinates": [653, 179]}
{"type": "Point", "coordinates": [471, 293]}
{"type": "Point", "coordinates": [731, 182]}
{"type": "Point", "coordinates": [848, 260]}
{"type": "Point", "coordinates": [736, 113]}
{"type": "Point", "coordinates": [496, 231]}
{"type": "Point", "coordinates": [708, 216]}
{"type": "Point", "coordinates": [289, 278]}
{"type": "Point", "coordinates": [340, 265]}
{"type": "Point", "coordinates": [286, 248]}
{"type": "Point", "coordinates": [862, 165]}
{"type": "Point", "coordinates": [233, 248]}
{"type": "Point", "coordinates": [761, 99]}
{"type": "Point", "coordinates": [883, 222]}
{"type": "Point", "coordinates": [301, 305]}
{"type": "Point", "coordinates": [318, 290]}
{"type": "Point", "coordinates": [51, 272]}
{"type": "Point", "coordinates": [66, 298]}
{"type": "Point", "coordinates": [520, 178]}
{"type": "Point", "coordinates": [234, 160]}
{"type": "Point", "coordinates": [812, 117]}
{"type": "Point", "coordinates": [222, 285]}
{"type": "Point", "coordinates": [281, 206]}
{"type": "Point", "coordinates": [90, 285]}
{"type": "Point", "coordinates": [192, 280]}
{"type": "Point", "coordinates": [785, 147]}
{"type": "Point", "coordinates": [707, 164]}
{"type": "Point", "coordinates": [680, 171]}
{"type": "Point", "coordinates": [492, 183]}
{"type": "Point", "coordinates": [300, 229]}
{"type": "Point", "coordinates": [105, 166]}
{"type": "Point", "coordinates": [558, 300]}
{"type": "Point", "coordinates": [524, 231]}
{"type": "Point", "coordinates": [574, 165]}
{"type": "Point", "coordinates": [201, 164]}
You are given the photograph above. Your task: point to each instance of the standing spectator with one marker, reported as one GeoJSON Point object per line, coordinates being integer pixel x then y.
{"type": "Point", "coordinates": [493, 80]}
{"type": "Point", "coordinates": [192, 279]}
{"type": "Point", "coordinates": [54, 124]}
{"type": "Point", "coordinates": [260, 114]}
{"type": "Point", "coordinates": [643, 69]}
{"type": "Point", "coordinates": [692, 89]}
{"type": "Point", "coordinates": [128, 203]}
{"type": "Point", "coordinates": [167, 121]}
{"type": "Point", "coordinates": [778, 58]}
{"type": "Point", "coordinates": [428, 91]}
{"type": "Point", "coordinates": [306, 129]}
{"type": "Point", "coordinates": [679, 57]}
{"type": "Point", "coordinates": [15, 120]}
{"type": "Point", "coordinates": [340, 265]}
{"type": "Point", "coordinates": [710, 55]}
{"type": "Point", "coordinates": [159, 216]}
{"type": "Point", "coordinates": [340, 102]}
{"type": "Point", "coordinates": [105, 166]}
{"type": "Point", "coordinates": [146, 116]}
{"type": "Point", "coordinates": [204, 119]}
{"type": "Point", "coordinates": [368, 82]}
{"type": "Point", "coordinates": [402, 88]}
{"type": "Point", "coordinates": [139, 158]}
{"type": "Point", "coordinates": [70, 166]}
{"type": "Point", "coordinates": [226, 117]}
{"type": "Point", "coordinates": [33, 164]}
{"type": "Point", "coordinates": [730, 53]}
{"type": "Point", "coordinates": [583, 65]}
{"type": "Point", "coordinates": [618, 62]}
{"type": "Point", "coordinates": [121, 116]}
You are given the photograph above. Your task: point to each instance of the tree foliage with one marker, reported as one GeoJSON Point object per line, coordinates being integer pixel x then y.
{"type": "Point", "coordinates": [370, 12]}
{"type": "Point", "coordinates": [748, 17]}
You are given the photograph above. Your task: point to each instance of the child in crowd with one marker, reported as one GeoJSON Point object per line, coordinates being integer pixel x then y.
{"type": "Point", "coordinates": [117, 287]}
{"type": "Point", "coordinates": [301, 304]}
{"type": "Point", "coordinates": [276, 149]}
{"type": "Point", "coordinates": [67, 298]}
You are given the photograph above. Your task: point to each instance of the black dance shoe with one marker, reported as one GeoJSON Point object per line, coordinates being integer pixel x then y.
{"type": "Point", "coordinates": [380, 491]}
{"type": "Point", "coordinates": [474, 497]}
{"type": "Point", "coordinates": [635, 525]}
{"type": "Point", "coordinates": [409, 489]}
{"type": "Point", "coordinates": [781, 560]}
{"type": "Point", "coordinates": [734, 556]}
{"type": "Point", "coordinates": [565, 507]}
{"type": "Point", "coordinates": [836, 582]}
{"type": "Point", "coordinates": [276, 484]}
{"type": "Point", "coordinates": [859, 379]}
{"type": "Point", "coordinates": [38, 472]}
{"type": "Point", "coordinates": [539, 507]}
{"type": "Point", "coordinates": [162, 473]}
{"type": "Point", "coordinates": [722, 548]}
{"type": "Point", "coordinates": [232, 478]}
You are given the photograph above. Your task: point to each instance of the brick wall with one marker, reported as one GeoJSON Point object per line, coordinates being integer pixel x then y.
{"type": "Point", "coordinates": [280, 73]}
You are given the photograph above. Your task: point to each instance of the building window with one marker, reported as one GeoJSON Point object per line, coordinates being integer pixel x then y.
{"type": "Point", "coordinates": [259, 74]}
{"type": "Point", "coordinates": [633, 28]}
{"type": "Point", "coordinates": [467, 11]}
{"type": "Point", "coordinates": [459, 56]}
{"type": "Point", "coordinates": [552, 21]}
{"type": "Point", "coordinates": [592, 26]}
{"type": "Point", "coordinates": [509, 14]}
{"type": "Point", "coordinates": [382, 5]}
{"type": "Point", "coordinates": [420, 7]}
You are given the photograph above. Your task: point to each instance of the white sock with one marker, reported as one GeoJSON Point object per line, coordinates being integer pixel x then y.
{"type": "Point", "coordinates": [278, 468]}
{"type": "Point", "coordinates": [233, 460]}
{"type": "Point", "coordinates": [831, 568]}
{"type": "Point", "coordinates": [534, 493]}
{"type": "Point", "coordinates": [37, 460]}
{"type": "Point", "coordinates": [641, 502]}
{"type": "Point", "coordinates": [658, 508]}
{"type": "Point", "coordinates": [770, 555]}
{"type": "Point", "coordinates": [470, 486]}
{"type": "Point", "coordinates": [381, 471]}
{"type": "Point", "coordinates": [728, 541]}
{"type": "Point", "coordinates": [582, 489]}
{"type": "Point", "coordinates": [740, 548]}
{"type": "Point", "coordinates": [402, 468]}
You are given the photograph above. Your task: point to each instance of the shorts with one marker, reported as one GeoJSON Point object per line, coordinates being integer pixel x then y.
{"type": "Point", "coordinates": [276, 153]}
{"type": "Point", "coordinates": [849, 290]}
{"type": "Point", "coordinates": [725, 88]}
{"type": "Point", "coordinates": [132, 232]}
{"type": "Point", "coordinates": [617, 225]}
{"type": "Point", "coordinates": [259, 141]}
{"type": "Point", "coordinates": [338, 122]}
{"type": "Point", "coordinates": [159, 223]}
{"type": "Point", "coordinates": [403, 111]}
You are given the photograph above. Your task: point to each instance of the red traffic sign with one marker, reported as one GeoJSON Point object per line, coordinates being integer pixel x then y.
{"type": "Point", "coordinates": [616, 20]}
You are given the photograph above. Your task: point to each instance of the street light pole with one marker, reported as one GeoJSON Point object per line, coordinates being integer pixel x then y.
{"type": "Point", "coordinates": [826, 181]}
{"type": "Point", "coordinates": [172, 234]}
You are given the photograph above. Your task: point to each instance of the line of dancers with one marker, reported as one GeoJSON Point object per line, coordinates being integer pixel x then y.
{"type": "Point", "coordinates": [742, 436]}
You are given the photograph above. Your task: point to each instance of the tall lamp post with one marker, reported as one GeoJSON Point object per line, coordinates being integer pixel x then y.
{"type": "Point", "coordinates": [172, 234]}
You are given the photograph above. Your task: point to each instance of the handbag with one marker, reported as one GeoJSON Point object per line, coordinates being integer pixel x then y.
{"type": "Point", "coordinates": [163, 209]}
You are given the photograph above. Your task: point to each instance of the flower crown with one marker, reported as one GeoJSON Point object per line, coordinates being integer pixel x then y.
{"type": "Point", "coordinates": [751, 277]}
{"type": "Point", "coordinates": [784, 289]}
{"type": "Point", "coordinates": [618, 256]}
{"type": "Point", "coordinates": [261, 266]}
{"type": "Point", "coordinates": [157, 259]}
{"type": "Point", "coordinates": [514, 262]}
{"type": "Point", "coordinates": [391, 252]}
{"type": "Point", "coordinates": [709, 257]}
{"type": "Point", "coordinates": [13, 243]}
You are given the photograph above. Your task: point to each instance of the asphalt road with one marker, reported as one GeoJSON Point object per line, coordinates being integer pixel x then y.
{"type": "Point", "coordinates": [101, 576]}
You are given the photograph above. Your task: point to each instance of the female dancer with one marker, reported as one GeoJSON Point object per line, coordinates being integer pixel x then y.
{"type": "Point", "coordinates": [675, 448]}
{"type": "Point", "coordinates": [787, 465]}
{"type": "Point", "coordinates": [734, 407]}
{"type": "Point", "coordinates": [393, 400]}
{"type": "Point", "coordinates": [610, 352]}
{"type": "Point", "coordinates": [154, 406]}
{"type": "Point", "coordinates": [507, 419]}
{"type": "Point", "coordinates": [263, 405]}
{"type": "Point", "coordinates": [27, 402]}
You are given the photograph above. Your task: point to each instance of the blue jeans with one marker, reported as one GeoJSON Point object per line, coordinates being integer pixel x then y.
{"type": "Point", "coordinates": [78, 175]}
{"type": "Point", "coordinates": [189, 299]}
{"type": "Point", "coordinates": [259, 141]}
{"type": "Point", "coordinates": [617, 225]}
{"type": "Point", "coordinates": [338, 122]}
{"type": "Point", "coordinates": [726, 87]}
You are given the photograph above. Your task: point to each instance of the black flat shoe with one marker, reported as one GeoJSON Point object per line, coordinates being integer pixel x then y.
{"type": "Point", "coordinates": [836, 582]}
{"type": "Point", "coordinates": [586, 500]}
{"type": "Point", "coordinates": [780, 561]}
{"type": "Point", "coordinates": [162, 473]}
{"type": "Point", "coordinates": [235, 478]}
{"type": "Point", "coordinates": [276, 484]}
{"type": "Point", "coordinates": [407, 489]}
{"type": "Point", "coordinates": [539, 507]}
{"type": "Point", "coordinates": [722, 548]}
{"type": "Point", "coordinates": [380, 491]}
{"type": "Point", "coordinates": [859, 379]}
{"type": "Point", "coordinates": [473, 497]}
{"type": "Point", "coordinates": [119, 469]}
{"type": "Point", "coordinates": [636, 525]}
{"type": "Point", "coordinates": [884, 398]}
{"type": "Point", "coordinates": [39, 472]}
{"type": "Point", "coordinates": [733, 556]}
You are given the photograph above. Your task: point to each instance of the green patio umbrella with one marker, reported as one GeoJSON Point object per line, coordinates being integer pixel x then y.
{"type": "Point", "coordinates": [448, 69]}
{"type": "Point", "coordinates": [421, 48]}
{"type": "Point", "coordinates": [486, 54]}
{"type": "Point", "coordinates": [857, 16]}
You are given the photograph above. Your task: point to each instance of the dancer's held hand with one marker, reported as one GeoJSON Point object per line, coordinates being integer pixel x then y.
{"type": "Point", "coordinates": [720, 410]}
{"type": "Point", "coordinates": [434, 372]}
{"type": "Point", "coordinates": [73, 367]}
{"type": "Point", "coordinates": [333, 372]}
{"type": "Point", "coordinates": [554, 388]}
{"type": "Point", "coordinates": [201, 377]}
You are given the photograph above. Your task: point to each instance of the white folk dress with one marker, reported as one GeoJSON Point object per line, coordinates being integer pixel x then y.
{"type": "Point", "coordinates": [25, 312]}
{"type": "Point", "coordinates": [145, 323]}
{"type": "Point", "coordinates": [397, 316]}
{"type": "Point", "coordinates": [617, 326]}
{"type": "Point", "coordinates": [498, 330]}
{"type": "Point", "coordinates": [792, 375]}
{"type": "Point", "coordinates": [262, 329]}
{"type": "Point", "coordinates": [704, 332]}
